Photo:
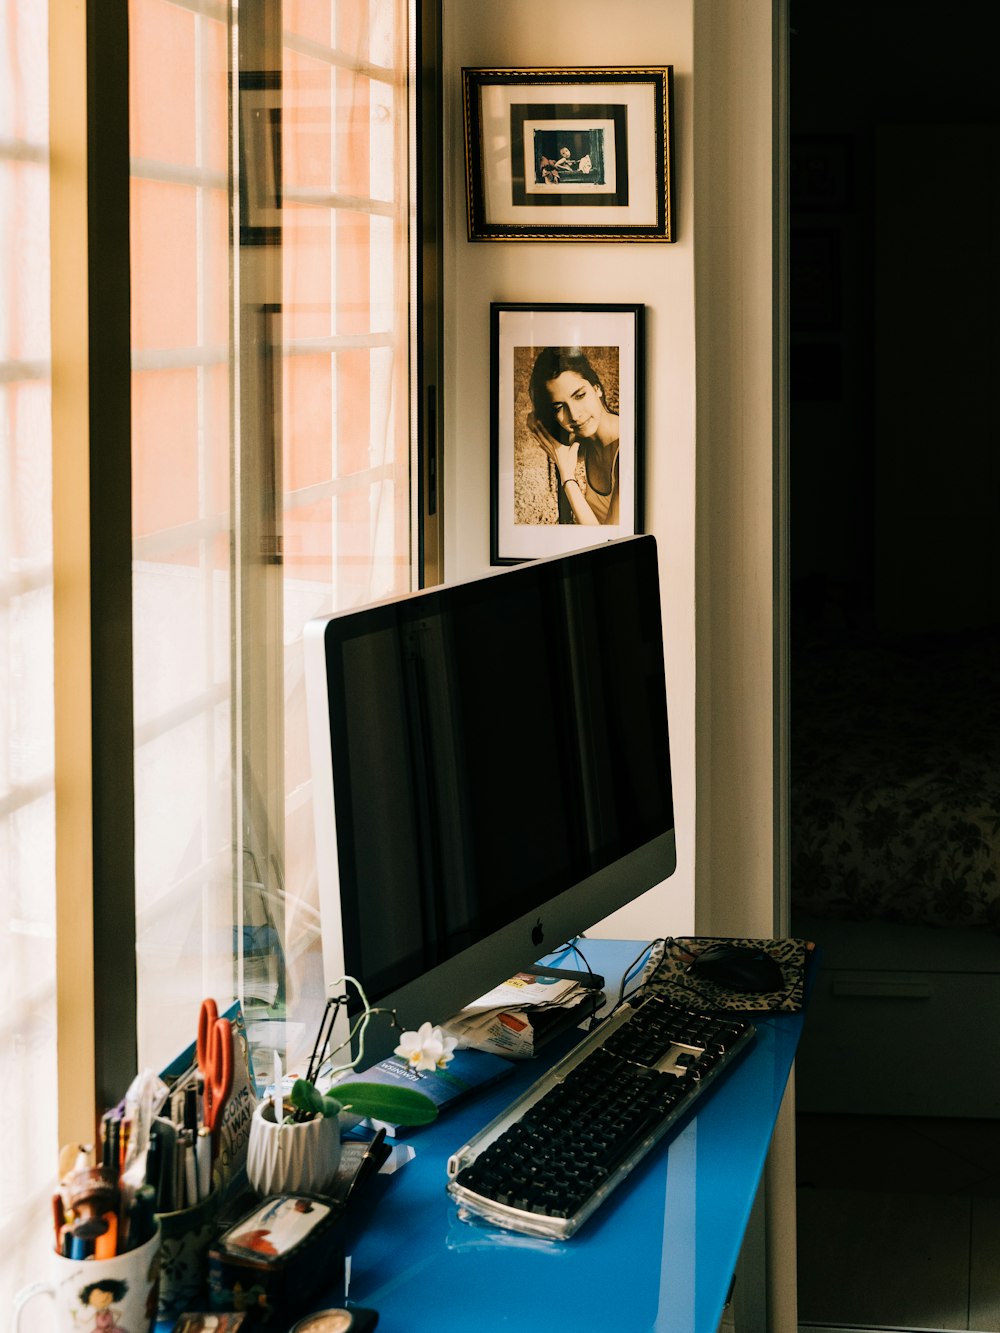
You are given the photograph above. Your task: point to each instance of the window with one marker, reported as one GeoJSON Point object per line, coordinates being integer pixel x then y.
{"type": "Point", "coordinates": [270, 214]}
{"type": "Point", "coordinates": [271, 462]}
{"type": "Point", "coordinates": [27, 802]}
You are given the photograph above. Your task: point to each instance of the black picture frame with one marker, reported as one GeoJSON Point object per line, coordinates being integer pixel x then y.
{"type": "Point", "coordinates": [595, 355]}
{"type": "Point", "coordinates": [569, 154]}
{"type": "Point", "coordinates": [260, 111]}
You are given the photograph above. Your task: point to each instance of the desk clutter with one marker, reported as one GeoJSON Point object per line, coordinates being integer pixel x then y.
{"type": "Point", "coordinates": [158, 1223]}
{"type": "Point", "coordinates": [169, 1217]}
{"type": "Point", "coordinates": [518, 1017]}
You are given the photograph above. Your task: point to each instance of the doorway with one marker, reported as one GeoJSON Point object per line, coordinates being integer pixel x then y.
{"type": "Point", "coordinates": [895, 606]}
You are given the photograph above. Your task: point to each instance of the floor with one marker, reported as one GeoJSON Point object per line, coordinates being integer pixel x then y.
{"type": "Point", "coordinates": [898, 1223]}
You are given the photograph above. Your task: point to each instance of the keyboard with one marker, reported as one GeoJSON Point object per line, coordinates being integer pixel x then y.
{"type": "Point", "coordinates": [555, 1154]}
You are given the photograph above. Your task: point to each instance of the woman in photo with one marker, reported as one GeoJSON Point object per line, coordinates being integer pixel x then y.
{"type": "Point", "coordinates": [573, 424]}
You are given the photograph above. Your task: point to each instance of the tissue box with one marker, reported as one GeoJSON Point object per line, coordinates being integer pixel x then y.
{"type": "Point", "coordinates": [277, 1257]}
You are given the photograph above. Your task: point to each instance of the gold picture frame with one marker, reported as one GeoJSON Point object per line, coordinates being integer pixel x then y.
{"type": "Point", "coordinates": [569, 154]}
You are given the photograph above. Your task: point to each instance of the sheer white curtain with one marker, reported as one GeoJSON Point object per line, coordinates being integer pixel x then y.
{"type": "Point", "coordinates": [27, 804]}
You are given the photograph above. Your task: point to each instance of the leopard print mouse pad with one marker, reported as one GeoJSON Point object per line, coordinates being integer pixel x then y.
{"type": "Point", "coordinates": [667, 973]}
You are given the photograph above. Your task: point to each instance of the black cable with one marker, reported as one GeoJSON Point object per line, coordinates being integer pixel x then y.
{"type": "Point", "coordinates": [646, 950]}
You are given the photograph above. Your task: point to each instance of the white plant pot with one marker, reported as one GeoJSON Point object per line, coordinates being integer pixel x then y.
{"type": "Point", "coordinates": [297, 1157]}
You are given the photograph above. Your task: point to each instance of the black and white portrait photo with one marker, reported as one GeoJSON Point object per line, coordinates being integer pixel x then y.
{"type": "Point", "coordinates": [566, 428]}
{"type": "Point", "coordinates": [566, 445]}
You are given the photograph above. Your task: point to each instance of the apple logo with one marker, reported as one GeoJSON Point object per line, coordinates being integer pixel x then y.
{"type": "Point", "coordinates": [537, 933]}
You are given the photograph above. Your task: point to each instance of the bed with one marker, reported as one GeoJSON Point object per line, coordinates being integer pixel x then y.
{"type": "Point", "coordinates": [895, 871]}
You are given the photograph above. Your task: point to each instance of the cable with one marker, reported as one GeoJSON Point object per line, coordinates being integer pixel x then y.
{"type": "Point", "coordinates": [639, 959]}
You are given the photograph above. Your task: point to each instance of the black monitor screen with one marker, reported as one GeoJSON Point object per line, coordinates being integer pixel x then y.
{"type": "Point", "coordinates": [493, 744]}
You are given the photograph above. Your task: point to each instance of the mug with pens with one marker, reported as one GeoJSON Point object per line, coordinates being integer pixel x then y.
{"type": "Point", "coordinates": [107, 1248]}
{"type": "Point", "coordinates": [134, 1217]}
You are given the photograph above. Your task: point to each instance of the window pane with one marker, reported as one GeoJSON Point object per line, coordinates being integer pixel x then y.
{"type": "Point", "coordinates": [271, 467]}
{"type": "Point", "coordinates": [344, 439]}
{"type": "Point", "coordinates": [181, 426]}
{"type": "Point", "coordinates": [27, 804]}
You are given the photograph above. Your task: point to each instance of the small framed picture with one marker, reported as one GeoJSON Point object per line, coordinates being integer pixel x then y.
{"type": "Point", "coordinates": [569, 154]}
{"type": "Point", "coordinates": [566, 438]}
{"type": "Point", "coordinates": [260, 103]}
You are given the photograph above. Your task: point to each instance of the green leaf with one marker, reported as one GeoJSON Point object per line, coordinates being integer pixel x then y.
{"type": "Point", "coordinates": [306, 1097]}
{"type": "Point", "coordinates": [378, 1101]}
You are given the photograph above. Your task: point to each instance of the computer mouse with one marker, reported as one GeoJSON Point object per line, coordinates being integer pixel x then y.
{"type": "Point", "coordinates": [739, 967]}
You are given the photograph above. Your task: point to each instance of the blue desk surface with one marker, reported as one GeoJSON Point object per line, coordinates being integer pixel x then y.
{"type": "Point", "coordinates": [659, 1254]}
{"type": "Point", "coordinates": [657, 1257]}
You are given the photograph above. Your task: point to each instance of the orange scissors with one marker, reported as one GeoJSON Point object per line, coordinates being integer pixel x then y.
{"type": "Point", "coordinates": [215, 1064]}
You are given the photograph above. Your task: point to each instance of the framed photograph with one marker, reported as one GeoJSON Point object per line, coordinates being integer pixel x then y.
{"type": "Point", "coordinates": [566, 437]}
{"type": "Point", "coordinates": [569, 154]}
{"type": "Point", "coordinates": [260, 104]}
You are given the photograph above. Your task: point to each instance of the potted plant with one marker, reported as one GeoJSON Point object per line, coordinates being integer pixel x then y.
{"type": "Point", "coordinates": [297, 1149]}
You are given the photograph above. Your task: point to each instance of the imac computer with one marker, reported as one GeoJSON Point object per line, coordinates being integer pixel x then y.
{"type": "Point", "coordinates": [491, 773]}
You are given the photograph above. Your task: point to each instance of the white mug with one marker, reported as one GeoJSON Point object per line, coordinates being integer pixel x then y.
{"type": "Point", "coordinates": [100, 1295]}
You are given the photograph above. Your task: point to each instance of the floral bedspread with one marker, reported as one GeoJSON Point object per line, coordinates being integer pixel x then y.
{"type": "Point", "coordinates": [895, 781]}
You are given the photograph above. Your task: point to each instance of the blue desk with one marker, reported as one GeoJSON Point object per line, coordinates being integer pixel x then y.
{"type": "Point", "coordinates": [657, 1257]}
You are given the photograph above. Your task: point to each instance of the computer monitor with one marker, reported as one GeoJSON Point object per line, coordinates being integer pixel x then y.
{"type": "Point", "coordinates": [491, 774]}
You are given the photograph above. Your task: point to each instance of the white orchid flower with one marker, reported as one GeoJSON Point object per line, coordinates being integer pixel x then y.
{"type": "Point", "coordinates": [427, 1048]}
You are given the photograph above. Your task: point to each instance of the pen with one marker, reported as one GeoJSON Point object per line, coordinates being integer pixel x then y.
{"type": "Point", "coordinates": [203, 1156]}
{"type": "Point", "coordinates": [59, 1218]}
{"type": "Point", "coordinates": [114, 1143]}
{"type": "Point", "coordinates": [125, 1133]}
{"type": "Point", "coordinates": [106, 1139]}
{"type": "Point", "coordinates": [166, 1134]}
{"type": "Point", "coordinates": [85, 1236]}
{"type": "Point", "coordinates": [106, 1245]}
{"type": "Point", "coordinates": [140, 1221]}
{"type": "Point", "coordinates": [190, 1168]}
{"type": "Point", "coordinates": [124, 1136]}
{"type": "Point", "coordinates": [179, 1172]}
{"type": "Point", "coordinates": [154, 1158]}
{"type": "Point", "coordinates": [80, 1247]}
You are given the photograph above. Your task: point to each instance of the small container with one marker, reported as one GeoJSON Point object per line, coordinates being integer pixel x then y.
{"type": "Point", "coordinates": [187, 1236]}
{"type": "Point", "coordinates": [356, 1320]}
{"type": "Point", "coordinates": [196, 1322]}
{"type": "Point", "coordinates": [294, 1157]}
{"type": "Point", "coordinates": [276, 1258]}
{"type": "Point", "coordinates": [120, 1291]}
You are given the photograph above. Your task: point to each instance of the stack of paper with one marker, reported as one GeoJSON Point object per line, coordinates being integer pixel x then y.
{"type": "Point", "coordinates": [514, 1017]}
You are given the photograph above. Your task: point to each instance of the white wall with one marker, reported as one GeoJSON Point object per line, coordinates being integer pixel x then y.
{"type": "Point", "coordinates": [716, 427]}
{"type": "Point", "coordinates": [524, 34]}
{"type": "Point", "coordinates": [740, 224]}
